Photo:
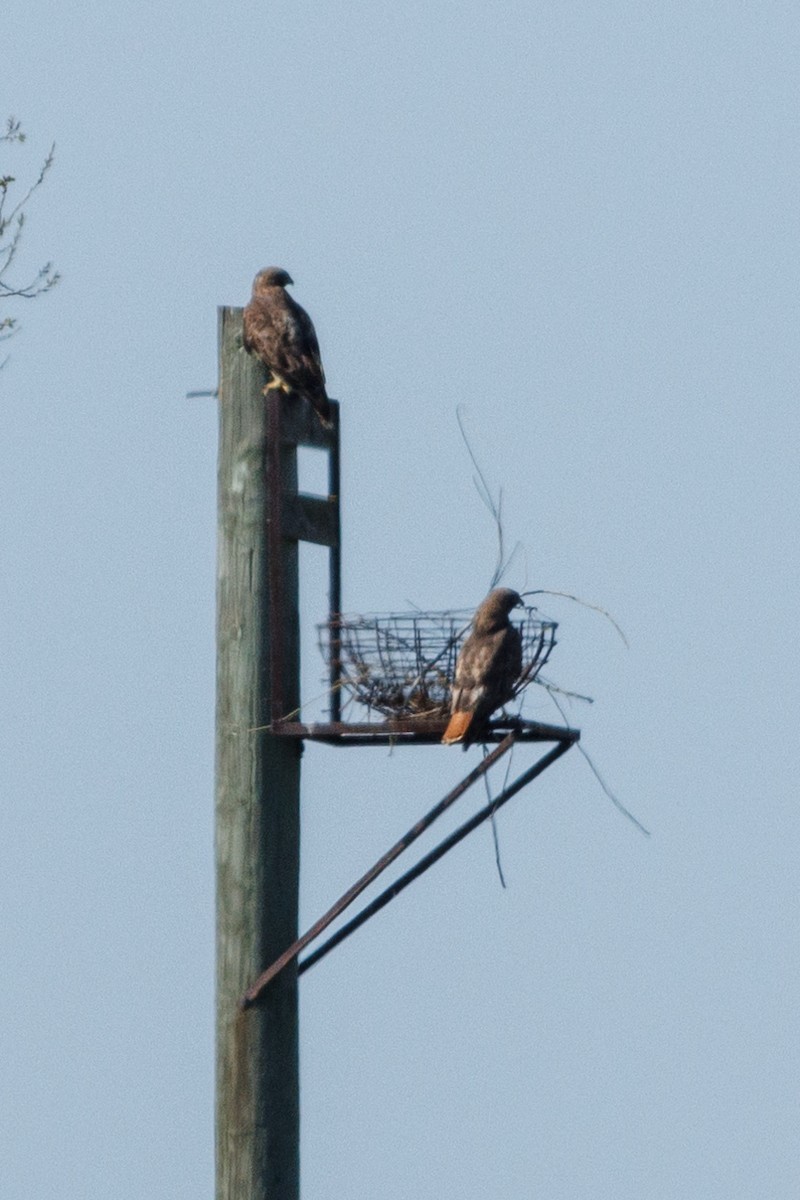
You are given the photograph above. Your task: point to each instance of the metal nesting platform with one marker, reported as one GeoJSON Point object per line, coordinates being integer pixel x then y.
{"type": "Point", "coordinates": [397, 667]}
{"type": "Point", "coordinates": [563, 739]}
{"type": "Point", "coordinates": [412, 731]}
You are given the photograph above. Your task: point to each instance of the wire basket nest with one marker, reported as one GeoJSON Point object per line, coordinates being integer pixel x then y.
{"type": "Point", "coordinates": [403, 664]}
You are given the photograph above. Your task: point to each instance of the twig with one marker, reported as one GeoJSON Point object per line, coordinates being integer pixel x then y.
{"type": "Point", "coordinates": [494, 507]}
{"type": "Point", "coordinates": [594, 607]}
{"type": "Point", "coordinates": [549, 686]}
{"type": "Point", "coordinates": [495, 837]}
{"type": "Point", "coordinates": [617, 803]}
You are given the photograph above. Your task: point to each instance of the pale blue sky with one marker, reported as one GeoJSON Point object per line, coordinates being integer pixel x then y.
{"type": "Point", "coordinates": [580, 223]}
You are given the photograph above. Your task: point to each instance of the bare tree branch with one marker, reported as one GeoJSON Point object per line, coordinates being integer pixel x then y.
{"type": "Point", "coordinates": [12, 223]}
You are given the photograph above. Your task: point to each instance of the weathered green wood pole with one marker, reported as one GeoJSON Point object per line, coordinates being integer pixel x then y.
{"type": "Point", "coordinates": [257, 804]}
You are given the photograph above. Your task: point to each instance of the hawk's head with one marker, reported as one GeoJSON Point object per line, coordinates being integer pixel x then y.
{"type": "Point", "coordinates": [493, 612]}
{"type": "Point", "coordinates": [271, 277]}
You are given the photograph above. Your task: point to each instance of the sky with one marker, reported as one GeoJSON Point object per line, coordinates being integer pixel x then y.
{"type": "Point", "coordinates": [579, 225]}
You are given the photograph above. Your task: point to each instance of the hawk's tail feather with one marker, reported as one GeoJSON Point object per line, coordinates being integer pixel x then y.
{"type": "Point", "coordinates": [457, 727]}
{"type": "Point", "coordinates": [324, 411]}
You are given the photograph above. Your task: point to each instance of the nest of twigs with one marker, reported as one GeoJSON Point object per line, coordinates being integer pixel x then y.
{"type": "Point", "coordinates": [403, 664]}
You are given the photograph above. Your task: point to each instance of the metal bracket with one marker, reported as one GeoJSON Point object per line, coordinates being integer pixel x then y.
{"type": "Point", "coordinates": [565, 739]}
{"type": "Point", "coordinates": [300, 517]}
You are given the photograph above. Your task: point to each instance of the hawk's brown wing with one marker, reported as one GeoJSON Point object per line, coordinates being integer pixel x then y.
{"type": "Point", "coordinates": [302, 357]}
{"type": "Point", "coordinates": [282, 334]}
{"type": "Point", "coordinates": [487, 669]}
{"type": "Point", "coordinates": [263, 331]}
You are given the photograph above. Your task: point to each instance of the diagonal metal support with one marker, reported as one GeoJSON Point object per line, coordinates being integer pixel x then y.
{"type": "Point", "coordinates": [567, 739]}
{"type": "Point", "coordinates": [432, 857]}
{"type": "Point", "coordinates": [254, 992]}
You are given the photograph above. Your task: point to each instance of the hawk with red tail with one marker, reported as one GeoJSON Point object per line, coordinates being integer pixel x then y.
{"type": "Point", "coordinates": [282, 335]}
{"type": "Point", "coordinates": [488, 666]}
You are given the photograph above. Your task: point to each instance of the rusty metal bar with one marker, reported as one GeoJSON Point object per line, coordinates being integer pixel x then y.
{"type": "Point", "coordinates": [253, 993]}
{"type": "Point", "coordinates": [274, 466]}
{"type": "Point", "coordinates": [309, 519]}
{"type": "Point", "coordinates": [298, 517]}
{"type": "Point", "coordinates": [301, 426]}
{"type": "Point", "coordinates": [416, 731]}
{"type": "Point", "coordinates": [335, 569]}
{"type": "Point", "coordinates": [432, 857]}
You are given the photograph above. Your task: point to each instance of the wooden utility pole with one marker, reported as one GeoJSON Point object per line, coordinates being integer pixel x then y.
{"type": "Point", "coordinates": [257, 798]}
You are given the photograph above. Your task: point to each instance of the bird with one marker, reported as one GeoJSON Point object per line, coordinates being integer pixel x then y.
{"type": "Point", "coordinates": [282, 335]}
{"type": "Point", "coordinates": [488, 666]}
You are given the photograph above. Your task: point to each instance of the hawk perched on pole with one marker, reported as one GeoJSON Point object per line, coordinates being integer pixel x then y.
{"type": "Point", "coordinates": [488, 666]}
{"type": "Point", "coordinates": [282, 335]}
